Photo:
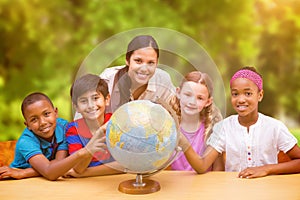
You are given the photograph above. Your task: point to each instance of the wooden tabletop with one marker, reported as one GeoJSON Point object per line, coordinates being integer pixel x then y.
{"type": "Point", "coordinates": [174, 185]}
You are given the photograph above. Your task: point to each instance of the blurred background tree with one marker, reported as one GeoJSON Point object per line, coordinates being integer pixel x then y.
{"type": "Point", "coordinates": [43, 43]}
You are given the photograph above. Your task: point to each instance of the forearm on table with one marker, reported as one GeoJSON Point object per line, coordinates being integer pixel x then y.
{"type": "Point", "coordinates": [100, 171]}
{"type": "Point", "coordinates": [81, 156]}
{"type": "Point", "coordinates": [290, 167]}
{"type": "Point", "coordinates": [30, 172]}
{"type": "Point", "coordinates": [25, 173]}
{"type": "Point", "coordinates": [80, 167]}
{"type": "Point", "coordinates": [54, 169]}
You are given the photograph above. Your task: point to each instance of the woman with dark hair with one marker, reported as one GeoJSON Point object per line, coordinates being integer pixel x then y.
{"type": "Point", "coordinates": [139, 78]}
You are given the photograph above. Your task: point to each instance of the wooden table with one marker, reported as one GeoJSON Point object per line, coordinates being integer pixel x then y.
{"type": "Point", "coordinates": [174, 185]}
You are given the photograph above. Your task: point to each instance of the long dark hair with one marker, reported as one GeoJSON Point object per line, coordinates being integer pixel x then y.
{"type": "Point", "coordinates": [121, 78]}
{"type": "Point", "coordinates": [139, 42]}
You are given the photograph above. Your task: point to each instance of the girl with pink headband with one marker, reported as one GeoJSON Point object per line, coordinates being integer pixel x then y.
{"type": "Point", "coordinates": [249, 141]}
{"type": "Point", "coordinates": [248, 73]}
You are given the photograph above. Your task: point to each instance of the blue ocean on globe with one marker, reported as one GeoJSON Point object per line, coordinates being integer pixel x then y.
{"type": "Point", "coordinates": [141, 136]}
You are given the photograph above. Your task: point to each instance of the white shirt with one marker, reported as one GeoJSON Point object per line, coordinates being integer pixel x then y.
{"type": "Point", "coordinates": [159, 85]}
{"type": "Point", "coordinates": [259, 147]}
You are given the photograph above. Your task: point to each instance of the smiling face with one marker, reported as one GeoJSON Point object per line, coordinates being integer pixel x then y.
{"type": "Point", "coordinates": [40, 118]}
{"type": "Point", "coordinates": [142, 64]}
{"type": "Point", "coordinates": [91, 105]}
{"type": "Point", "coordinates": [193, 98]}
{"type": "Point", "coordinates": [245, 96]}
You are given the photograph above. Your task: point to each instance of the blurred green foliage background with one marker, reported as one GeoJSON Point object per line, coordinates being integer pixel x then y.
{"type": "Point", "coordinates": [42, 43]}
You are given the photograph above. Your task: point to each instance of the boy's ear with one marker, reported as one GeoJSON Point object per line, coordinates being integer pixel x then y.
{"type": "Point", "coordinates": [74, 106]}
{"type": "Point", "coordinates": [56, 111]}
{"type": "Point", "coordinates": [25, 123]}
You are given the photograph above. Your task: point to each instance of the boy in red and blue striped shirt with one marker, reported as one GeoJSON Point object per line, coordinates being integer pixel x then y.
{"type": "Point", "coordinates": [90, 97]}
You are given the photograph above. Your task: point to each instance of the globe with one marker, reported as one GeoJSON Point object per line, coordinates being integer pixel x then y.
{"type": "Point", "coordinates": [141, 136]}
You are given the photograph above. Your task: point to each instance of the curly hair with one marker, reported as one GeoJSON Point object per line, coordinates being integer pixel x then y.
{"type": "Point", "coordinates": [210, 114]}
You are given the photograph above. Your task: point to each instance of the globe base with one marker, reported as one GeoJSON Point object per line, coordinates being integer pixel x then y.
{"type": "Point", "coordinates": [130, 187]}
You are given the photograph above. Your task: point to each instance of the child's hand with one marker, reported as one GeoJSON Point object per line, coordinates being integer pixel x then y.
{"type": "Point", "coordinates": [254, 172]}
{"type": "Point", "coordinates": [7, 172]}
{"type": "Point", "coordinates": [104, 126]}
{"type": "Point", "coordinates": [183, 142]}
{"type": "Point", "coordinates": [97, 142]}
{"type": "Point", "coordinates": [71, 174]}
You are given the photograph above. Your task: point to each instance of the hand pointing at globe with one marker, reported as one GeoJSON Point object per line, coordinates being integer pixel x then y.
{"type": "Point", "coordinates": [97, 142]}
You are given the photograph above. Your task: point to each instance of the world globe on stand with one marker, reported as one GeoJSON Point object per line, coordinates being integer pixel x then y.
{"type": "Point", "coordinates": [142, 136]}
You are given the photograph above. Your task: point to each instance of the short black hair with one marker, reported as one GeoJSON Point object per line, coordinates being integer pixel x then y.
{"type": "Point", "coordinates": [32, 98]}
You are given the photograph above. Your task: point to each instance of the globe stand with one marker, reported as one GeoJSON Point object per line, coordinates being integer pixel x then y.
{"type": "Point", "coordinates": [138, 186]}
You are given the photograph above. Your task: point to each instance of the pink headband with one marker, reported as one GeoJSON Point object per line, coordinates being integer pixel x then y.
{"type": "Point", "coordinates": [248, 74]}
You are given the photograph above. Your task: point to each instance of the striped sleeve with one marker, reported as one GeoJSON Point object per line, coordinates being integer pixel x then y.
{"type": "Point", "coordinates": [73, 139]}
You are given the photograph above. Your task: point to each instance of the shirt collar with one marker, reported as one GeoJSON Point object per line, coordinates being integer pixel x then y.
{"type": "Point", "coordinates": [151, 84]}
{"type": "Point", "coordinates": [58, 134]}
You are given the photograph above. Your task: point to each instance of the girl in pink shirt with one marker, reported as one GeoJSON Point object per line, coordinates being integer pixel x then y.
{"type": "Point", "coordinates": [197, 113]}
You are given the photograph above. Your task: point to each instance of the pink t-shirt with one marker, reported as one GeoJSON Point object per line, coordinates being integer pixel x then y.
{"type": "Point", "coordinates": [196, 139]}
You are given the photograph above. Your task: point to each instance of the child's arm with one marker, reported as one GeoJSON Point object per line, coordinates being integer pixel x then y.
{"type": "Point", "coordinates": [219, 164]}
{"type": "Point", "coordinates": [198, 163]}
{"type": "Point", "coordinates": [292, 166]}
{"type": "Point", "coordinates": [7, 172]}
{"type": "Point", "coordinates": [201, 164]}
{"type": "Point", "coordinates": [80, 167]}
{"type": "Point", "coordinates": [60, 154]}
{"type": "Point", "coordinates": [104, 169]}
{"type": "Point", "coordinates": [54, 169]}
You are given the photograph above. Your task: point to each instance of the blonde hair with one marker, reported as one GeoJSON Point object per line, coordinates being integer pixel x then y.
{"type": "Point", "coordinates": [211, 114]}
